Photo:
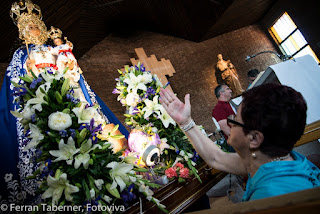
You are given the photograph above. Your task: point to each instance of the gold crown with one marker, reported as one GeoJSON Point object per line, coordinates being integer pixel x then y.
{"type": "Point", "coordinates": [24, 8]}
{"type": "Point", "coordinates": [24, 13]}
{"type": "Point", "coordinates": [55, 33]}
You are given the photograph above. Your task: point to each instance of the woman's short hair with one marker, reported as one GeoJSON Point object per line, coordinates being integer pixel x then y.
{"type": "Point", "coordinates": [279, 112]}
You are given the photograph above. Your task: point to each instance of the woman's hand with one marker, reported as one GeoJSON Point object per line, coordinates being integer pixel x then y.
{"type": "Point", "coordinates": [178, 111]}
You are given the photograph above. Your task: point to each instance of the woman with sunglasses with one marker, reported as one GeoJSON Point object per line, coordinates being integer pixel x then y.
{"type": "Point", "coordinates": [270, 120]}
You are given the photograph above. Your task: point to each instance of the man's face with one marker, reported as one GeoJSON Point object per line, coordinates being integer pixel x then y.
{"type": "Point", "coordinates": [227, 92]}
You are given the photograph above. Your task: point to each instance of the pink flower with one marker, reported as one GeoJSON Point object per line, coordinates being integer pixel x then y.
{"type": "Point", "coordinates": [184, 173]}
{"type": "Point", "coordinates": [170, 173]}
{"type": "Point", "coordinates": [180, 165]}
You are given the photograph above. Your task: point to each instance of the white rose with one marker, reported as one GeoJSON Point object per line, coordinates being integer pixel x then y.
{"type": "Point", "coordinates": [132, 99]}
{"type": "Point", "coordinates": [59, 121]}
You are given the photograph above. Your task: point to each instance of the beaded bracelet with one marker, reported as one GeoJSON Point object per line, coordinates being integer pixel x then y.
{"type": "Point", "coordinates": [189, 126]}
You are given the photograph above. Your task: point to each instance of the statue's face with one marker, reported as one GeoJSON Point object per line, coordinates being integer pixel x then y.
{"type": "Point", "coordinates": [34, 30]}
{"type": "Point", "coordinates": [57, 41]}
{"type": "Point", "coordinates": [219, 57]}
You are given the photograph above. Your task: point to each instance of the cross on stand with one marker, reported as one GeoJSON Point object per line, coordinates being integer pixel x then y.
{"type": "Point", "coordinates": [160, 68]}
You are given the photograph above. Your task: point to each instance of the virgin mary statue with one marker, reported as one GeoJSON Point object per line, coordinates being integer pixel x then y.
{"type": "Point", "coordinates": [17, 163]}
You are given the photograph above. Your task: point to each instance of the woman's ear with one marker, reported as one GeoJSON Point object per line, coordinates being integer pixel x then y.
{"type": "Point", "coordinates": [256, 138]}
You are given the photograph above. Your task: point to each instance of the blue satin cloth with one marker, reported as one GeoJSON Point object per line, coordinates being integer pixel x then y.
{"type": "Point", "coordinates": [15, 163]}
{"type": "Point", "coordinates": [282, 177]}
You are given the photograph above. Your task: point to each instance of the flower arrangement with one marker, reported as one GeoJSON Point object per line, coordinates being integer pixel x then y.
{"type": "Point", "coordinates": [78, 165]}
{"type": "Point", "coordinates": [178, 171]}
{"type": "Point", "coordinates": [138, 90]}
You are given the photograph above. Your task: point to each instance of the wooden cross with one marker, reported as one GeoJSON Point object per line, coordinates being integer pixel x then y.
{"type": "Point", "coordinates": [160, 68]}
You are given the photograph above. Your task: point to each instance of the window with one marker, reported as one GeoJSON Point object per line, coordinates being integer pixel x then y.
{"type": "Point", "coordinates": [289, 38]}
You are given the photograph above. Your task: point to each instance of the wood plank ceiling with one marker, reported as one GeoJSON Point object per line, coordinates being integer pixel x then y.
{"type": "Point", "coordinates": [87, 22]}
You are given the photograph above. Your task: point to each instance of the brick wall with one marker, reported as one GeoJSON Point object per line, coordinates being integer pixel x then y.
{"type": "Point", "coordinates": [194, 64]}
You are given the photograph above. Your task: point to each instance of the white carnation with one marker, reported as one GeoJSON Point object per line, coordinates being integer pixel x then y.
{"type": "Point", "coordinates": [59, 121]}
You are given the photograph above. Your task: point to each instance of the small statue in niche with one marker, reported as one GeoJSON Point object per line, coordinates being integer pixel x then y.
{"type": "Point", "coordinates": [229, 75]}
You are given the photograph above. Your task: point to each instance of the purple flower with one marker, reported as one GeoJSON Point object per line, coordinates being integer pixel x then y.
{"type": "Point", "coordinates": [72, 133]}
{"type": "Point", "coordinates": [128, 195]}
{"type": "Point", "coordinates": [195, 156]}
{"type": "Point", "coordinates": [35, 82]}
{"type": "Point", "coordinates": [116, 91]}
{"type": "Point", "coordinates": [94, 139]}
{"type": "Point", "coordinates": [177, 150]}
{"type": "Point", "coordinates": [63, 133]}
{"type": "Point", "coordinates": [94, 202]}
{"type": "Point", "coordinates": [19, 91]}
{"type": "Point", "coordinates": [75, 100]}
{"type": "Point", "coordinates": [135, 111]}
{"type": "Point", "coordinates": [33, 118]}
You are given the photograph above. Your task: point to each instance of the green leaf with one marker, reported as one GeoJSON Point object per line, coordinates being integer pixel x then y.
{"type": "Point", "coordinates": [194, 170]}
{"type": "Point", "coordinates": [117, 136]}
{"type": "Point", "coordinates": [34, 76]}
{"type": "Point", "coordinates": [16, 84]}
{"type": "Point", "coordinates": [66, 111]}
{"type": "Point", "coordinates": [181, 180]}
{"type": "Point", "coordinates": [26, 78]}
{"type": "Point", "coordinates": [115, 128]}
{"type": "Point", "coordinates": [65, 70]}
{"type": "Point", "coordinates": [65, 87]}
{"type": "Point", "coordinates": [30, 92]}
{"type": "Point", "coordinates": [58, 97]}
{"type": "Point", "coordinates": [141, 169]}
{"type": "Point", "coordinates": [86, 190]}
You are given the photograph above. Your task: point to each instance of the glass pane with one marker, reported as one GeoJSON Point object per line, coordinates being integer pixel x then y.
{"type": "Point", "coordinates": [299, 39]}
{"type": "Point", "coordinates": [289, 47]}
{"type": "Point", "coordinates": [305, 51]}
{"type": "Point", "coordinates": [284, 26]}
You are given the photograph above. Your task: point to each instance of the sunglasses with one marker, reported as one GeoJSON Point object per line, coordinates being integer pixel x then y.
{"type": "Point", "coordinates": [231, 120]}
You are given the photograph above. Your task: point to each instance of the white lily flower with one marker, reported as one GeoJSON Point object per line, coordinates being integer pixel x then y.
{"type": "Point", "coordinates": [119, 174]}
{"type": "Point", "coordinates": [147, 190]}
{"type": "Point", "coordinates": [99, 183]}
{"type": "Point", "coordinates": [163, 145]}
{"type": "Point", "coordinates": [145, 78]}
{"type": "Point", "coordinates": [26, 114]}
{"type": "Point", "coordinates": [185, 155]}
{"type": "Point", "coordinates": [59, 121]}
{"type": "Point", "coordinates": [158, 82]}
{"type": "Point", "coordinates": [38, 100]}
{"type": "Point", "coordinates": [49, 77]}
{"type": "Point", "coordinates": [84, 156]}
{"type": "Point", "coordinates": [134, 83]}
{"type": "Point", "coordinates": [35, 135]}
{"type": "Point", "coordinates": [86, 114]}
{"type": "Point", "coordinates": [166, 119]}
{"type": "Point", "coordinates": [107, 199]}
{"type": "Point", "coordinates": [56, 188]}
{"type": "Point", "coordinates": [177, 160]}
{"type": "Point", "coordinates": [66, 151]}
{"type": "Point", "coordinates": [158, 203]}
{"type": "Point", "coordinates": [152, 106]}
{"type": "Point", "coordinates": [92, 193]}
